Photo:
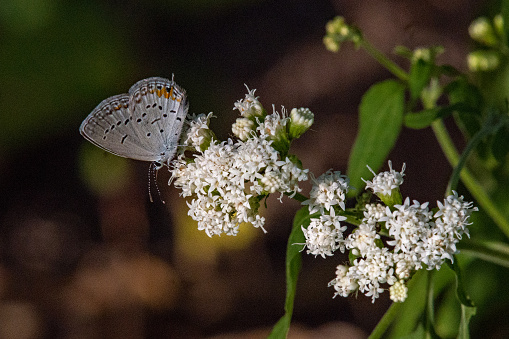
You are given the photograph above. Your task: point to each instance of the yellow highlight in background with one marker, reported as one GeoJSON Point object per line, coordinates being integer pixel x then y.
{"type": "Point", "coordinates": [197, 245]}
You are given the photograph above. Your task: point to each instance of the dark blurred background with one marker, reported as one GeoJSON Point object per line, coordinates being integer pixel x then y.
{"type": "Point", "coordinates": [84, 254]}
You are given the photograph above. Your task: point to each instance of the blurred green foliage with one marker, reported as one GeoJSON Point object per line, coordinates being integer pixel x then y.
{"type": "Point", "coordinates": [56, 57]}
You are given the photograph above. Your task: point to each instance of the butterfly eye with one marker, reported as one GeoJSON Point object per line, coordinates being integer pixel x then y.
{"type": "Point", "coordinates": [157, 165]}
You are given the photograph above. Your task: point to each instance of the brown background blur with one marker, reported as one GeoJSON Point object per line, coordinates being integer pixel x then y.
{"type": "Point", "coordinates": [84, 254]}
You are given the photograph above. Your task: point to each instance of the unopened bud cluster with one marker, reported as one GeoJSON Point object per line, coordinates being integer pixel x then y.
{"type": "Point", "coordinates": [490, 34]}
{"type": "Point", "coordinates": [337, 32]}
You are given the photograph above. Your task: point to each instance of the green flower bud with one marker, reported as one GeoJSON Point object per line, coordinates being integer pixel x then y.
{"type": "Point", "coordinates": [338, 31]}
{"type": "Point", "coordinates": [483, 61]}
{"type": "Point", "coordinates": [482, 31]}
{"type": "Point", "coordinates": [331, 44]}
{"type": "Point", "coordinates": [300, 121]}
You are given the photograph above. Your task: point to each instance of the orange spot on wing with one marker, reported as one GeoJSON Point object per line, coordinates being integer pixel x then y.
{"type": "Point", "coordinates": [171, 94]}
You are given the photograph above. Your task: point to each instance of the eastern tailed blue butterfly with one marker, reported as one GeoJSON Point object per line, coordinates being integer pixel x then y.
{"type": "Point", "coordinates": [144, 124]}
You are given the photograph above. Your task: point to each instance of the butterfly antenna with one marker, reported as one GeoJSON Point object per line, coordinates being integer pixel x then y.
{"type": "Point", "coordinates": [152, 175]}
{"type": "Point", "coordinates": [157, 186]}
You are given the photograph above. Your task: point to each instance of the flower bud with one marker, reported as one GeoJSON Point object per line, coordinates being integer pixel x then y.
{"type": "Point", "coordinates": [331, 44]}
{"type": "Point", "coordinates": [398, 291]}
{"type": "Point", "coordinates": [421, 54]}
{"type": "Point", "coordinates": [338, 31]}
{"type": "Point", "coordinates": [242, 128]}
{"type": "Point", "coordinates": [300, 121]}
{"type": "Point", "coordinates": [482, 60]}
{"type": "Point", "coordinates": [482, 31]}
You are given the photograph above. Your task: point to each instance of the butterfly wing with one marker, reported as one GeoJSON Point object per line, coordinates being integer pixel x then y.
{"type": "Point", "coordinates": [110, 126]}
{"type": "Point", "coordinates": [159, 107]}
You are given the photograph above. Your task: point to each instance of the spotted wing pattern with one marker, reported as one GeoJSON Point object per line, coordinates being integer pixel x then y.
{"type": "Point", "coordinates": [144, 124]}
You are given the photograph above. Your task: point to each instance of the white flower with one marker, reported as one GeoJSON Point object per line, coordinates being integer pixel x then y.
{"type": "Point", "coordinates": [454, 214]}
{"type": "Point", "coordinates": [249, 107]}
{"type": "Point", "coordinates": [363, 239]}
{"type": "Point", "coordinates": [328, 190]}
{"type": "Point", "coordinates": [324, 235]}
{"type": "Point", "coordinates": [274, 124]}
{"type": "Point", "coordinates": [406, 264]}
{"type": "Point", "coordinates": [373, 270]}
{"type": "Point", "coordinates": [385, 182]}
{"type": "Point", "coordinates": [439, 243]}
{"type": "Point", "coordinates": [198, 135]}
{"type": "Point", "coordinates": [419, 239]}
{"type": "Point", "coordinates": [374, 213]}
{"type": "Point", "coordinates": [407, 223]}
{"type": "Point", "coordinates": [344, 284]}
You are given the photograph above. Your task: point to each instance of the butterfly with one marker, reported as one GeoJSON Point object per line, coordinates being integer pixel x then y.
{"type": "Point", "coordinates": [143, 124]}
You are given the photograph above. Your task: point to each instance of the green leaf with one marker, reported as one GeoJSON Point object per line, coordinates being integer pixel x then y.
{"type": "Point", "coordinates": [461, 91]}
{"type": "Point", "coordinates": [424, 118]}
{"type": "Point", "coordinates": [447, 70]}
{"type": "Point", "coordinates": [460, 291]}
{"type": "Point", "coordinates": [418, 333]}
{"type": "Point", "coordinates": [421, 119]}
{"type": "Point", "coordinates": [293, 264]}
{"type": "Point", "coordinates": [468, 309]}
{"type": "Point", "coordinates": [420, 73]}
{"type": "Point", "coordinates": [404, 52]}
{"type": "Point", "coordinates": [380, 120]}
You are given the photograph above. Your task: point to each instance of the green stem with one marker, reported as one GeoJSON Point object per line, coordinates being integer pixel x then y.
{"type": "Point", "coordinates": [468, 178]}
{"type": "Point", "coordinates": [386, 321]}
{"type": "Point", "coordinates": [383, 60]}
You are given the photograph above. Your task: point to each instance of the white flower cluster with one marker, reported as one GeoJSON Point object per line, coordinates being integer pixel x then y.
{"type": "Point", "coordinates": [324, 235]}
{"type": "Point", "coordinates": [420, 239]}
{"type": "Point", "coordinates": [385, 182]}
{"type": "Point", "coordinates": [416, 238]}
{"type": "Point", "coordinates": [328, 190]}
{"type": "Point", "coordinates": [227, 180]}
